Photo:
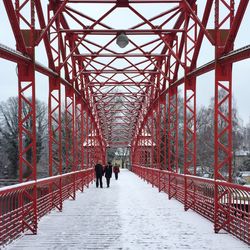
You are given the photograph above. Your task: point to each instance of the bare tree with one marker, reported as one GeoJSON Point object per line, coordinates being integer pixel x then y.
{"type": "Point", "coordinates": [9, 132]}
{"type": "Point", "coordinates": [122, 154]}
{"type": "Point", "coordinates": [205, 132]}
{"type": "Point", "coordinates": [111, 154]}
{"type": "Point", "coordinates": [205, 139]}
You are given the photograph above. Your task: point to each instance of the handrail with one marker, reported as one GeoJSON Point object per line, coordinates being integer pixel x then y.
{"type": "Point", "coordinates": [50, 194]}
{"type": "Point", "coordinates": [39, 181]}
{"type": "Point", "coordinates": [201, 194]}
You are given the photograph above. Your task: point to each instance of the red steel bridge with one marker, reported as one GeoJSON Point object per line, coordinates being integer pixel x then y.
{"type": "Point", "coordinates": [123, 97]}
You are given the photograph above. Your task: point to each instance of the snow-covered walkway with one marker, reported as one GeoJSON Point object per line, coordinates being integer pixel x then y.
{"type": "Point", "coordinates": [128, 215]}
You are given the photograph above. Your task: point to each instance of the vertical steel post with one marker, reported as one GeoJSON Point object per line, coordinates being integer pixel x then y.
{"type": "Point", "coordinates": [189, 110]}
{"type": "Point", "coordinates": [163, 142]}
{"type": "Point", "coordinates": [163, 130]}
{"type": "Point", "coordinates": [142, 148]}
{"type": "Point", "coordinates": [27, 120]}
{"type": "Point", "coordinates": [83, 138]}
{"type": "Point", "coordinates": [87, 138]}
{"type": "Point", "coordinates": [173, 129]}
{"type": "Point", "coordinates": [78, 132]}
{"type": "Point", "coordinates": [145, 144]}
{"type": "Point", "coordinates": [138, 150]}
{"type": "Point", "coordinates": [91, 142]}
{"type": "Point", "coordinates": [78, 140]}
{"type": "Point", "coordinates": [158, 134]}
{"type": "Point", "coordinates": [96, 146]}
{"type": "Point", "coordinates": [172, 139]}
{"type": "Point", "coordinates": [81, 146]}
{"type": "Point", "coordinates": [224, 12]}
{"type": "Point", "coordinates": [70, 136]}
{"type": "Point", "coordinates": [54, 116]}
{"type": "Point", "coordinates": [151, 126]}
{"type": "Point", "coordinates": [55, 141]}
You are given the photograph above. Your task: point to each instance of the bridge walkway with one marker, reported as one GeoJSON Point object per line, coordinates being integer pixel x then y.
{"type": "Point", "coordinates": [128, 215]}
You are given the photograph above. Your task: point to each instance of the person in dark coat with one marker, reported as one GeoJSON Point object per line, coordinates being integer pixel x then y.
{"type": "Point", "coordinates": [108, 173]}
{"type": "Point", "coordinates": [98, 173]}
{"type": "Point", "coordinates": [116, 170]}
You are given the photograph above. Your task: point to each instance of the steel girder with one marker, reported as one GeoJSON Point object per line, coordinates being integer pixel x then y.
{"type": "Point", "coordinates": [55, 114]}
{"type": "Point", "coordinates": [222, 110]}
{"type": "Point", "coordinates": [27, 114]}
{"type": "Point", "coordinates": [55, 140]}
{"type": "Point", "coordinates": [95, 71]}
{"type": "Point", "coordinates": [190, 107]}
{"type": "Point", "coordinates": [116, 98]}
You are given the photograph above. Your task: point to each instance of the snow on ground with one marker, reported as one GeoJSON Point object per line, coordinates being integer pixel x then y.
{"type": "Point", "coordinates": [128, 215]}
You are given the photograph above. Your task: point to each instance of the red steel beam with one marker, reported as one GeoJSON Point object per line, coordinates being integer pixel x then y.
{"type": "Point", "coordinates": [235, 25]}
{"type": "Point", "coordinates": [222, 113]}
{"type": "Point", "coordinates": [117, 31]}
{"type": "Point", "coordinates": [15, 26]}
{"type": "Point", "coordinates": [119, 55]}
{"type": "Point", "coordinates": [104, 84]}
{"type": "Point", "coordinates": [120, 71]}
{"type": "Point", "coordinates": [130, 1]}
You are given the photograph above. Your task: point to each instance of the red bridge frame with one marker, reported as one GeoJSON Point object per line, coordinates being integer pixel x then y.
{"type": "Point", "coordinates": [146, 120]}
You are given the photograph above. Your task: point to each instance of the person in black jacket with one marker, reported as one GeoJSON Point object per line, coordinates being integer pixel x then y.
{"type": "Point", "coordinates": [108, 173]}
{"type": "Point", "coordinates": [98, 173]}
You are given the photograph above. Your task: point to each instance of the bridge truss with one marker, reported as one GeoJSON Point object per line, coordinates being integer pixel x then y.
{"type": "Point", "coordinates": [114, 97]}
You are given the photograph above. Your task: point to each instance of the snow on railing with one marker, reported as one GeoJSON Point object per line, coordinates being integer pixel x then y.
{"type": "Point", "coordinates": [202, 195]}
{"type": "Point", "coordinates": [51, 192]}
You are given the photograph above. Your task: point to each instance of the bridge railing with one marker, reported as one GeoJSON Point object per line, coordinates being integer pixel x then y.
{"type": "Point", "coordinates": [197, 193]}
{"type": "Point", "coordinates": [51, 192]}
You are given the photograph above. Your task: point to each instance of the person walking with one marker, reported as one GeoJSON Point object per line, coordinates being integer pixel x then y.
{"type": "Point", "coordinates": [98, 173]}
{"type": "Point", "coordinates": [116, 170]}
{"type": "Point", "coordinates": [108, 173]}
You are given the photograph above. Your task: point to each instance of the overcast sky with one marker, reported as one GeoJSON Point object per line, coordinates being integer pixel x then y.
{"type": "Point", "coordinates": [205, 86]}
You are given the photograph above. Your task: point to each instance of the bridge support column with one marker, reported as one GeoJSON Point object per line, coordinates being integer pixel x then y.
{"type": "Point", "coordinates": [158, 134]}
{"type": "Point", "coordinates": [189, 140]}
{"type": "Point", "coordinates": [222, 114]}
{"type": "Point", "coordinates": [151, 127]}
{"type": "Point", "coordinates": [70, 137]}
{"type": "Point", "coordinates": [172, 139]}
{"type": "Point", "coordinates": [162, 149]}
{"type": "Point", "coordinates": [27, 143]}
{"type": "Point", "coordinates": [87, 139]}
{"type": "Point", "coordinates": [83, 145]}
{"type": "Point", "coordinates": [27, 117]}
{"type": "Point", "coordinates": [153, 146]}
{"type": "Point", "coordinates": [78, 132]}
{"type": "Point", "coordinates": [79, 139]}
{"type": "Point", "coordinates": [135, 151]}
{"type": "Point", "coordinates": [190, 108]}
{"type": "Point", "coordinates": [91, 151]}
{"type": "Point", "coordinates": [55, 141]}
{"type": "Point", "coordinates": [55, 112]}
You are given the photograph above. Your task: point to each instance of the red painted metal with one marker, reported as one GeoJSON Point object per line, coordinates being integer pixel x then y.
{"type": "Point", "coordinates": [190, 106]}
{"type": "Point", "coordinates": [173, 130]}
{"type": "Point", "coordinates": [78, 133]}
{"type": "Point", "coordinates": [234, 198]}
{"type": "Point", "coordinates": [54, 112]}
{"type": "Point", "coordinates": [27, 115]}
{"type": "Point", "coordinates": [12, 200]}
{"type": "Point", "coordinates": [125, 98]}
{"type": "Point", "coordinates": [70, 137]}
{"type": "Point", "coordinates": [163, 142]}
{"type": "Point", "coordinates": [172, 139]}
{"type": "Point", "coordinates": [222, 112]}
{"type": "Point", "coordinates": [86, 144]}
{"type": "Point", "coordinates": [55, 141]}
